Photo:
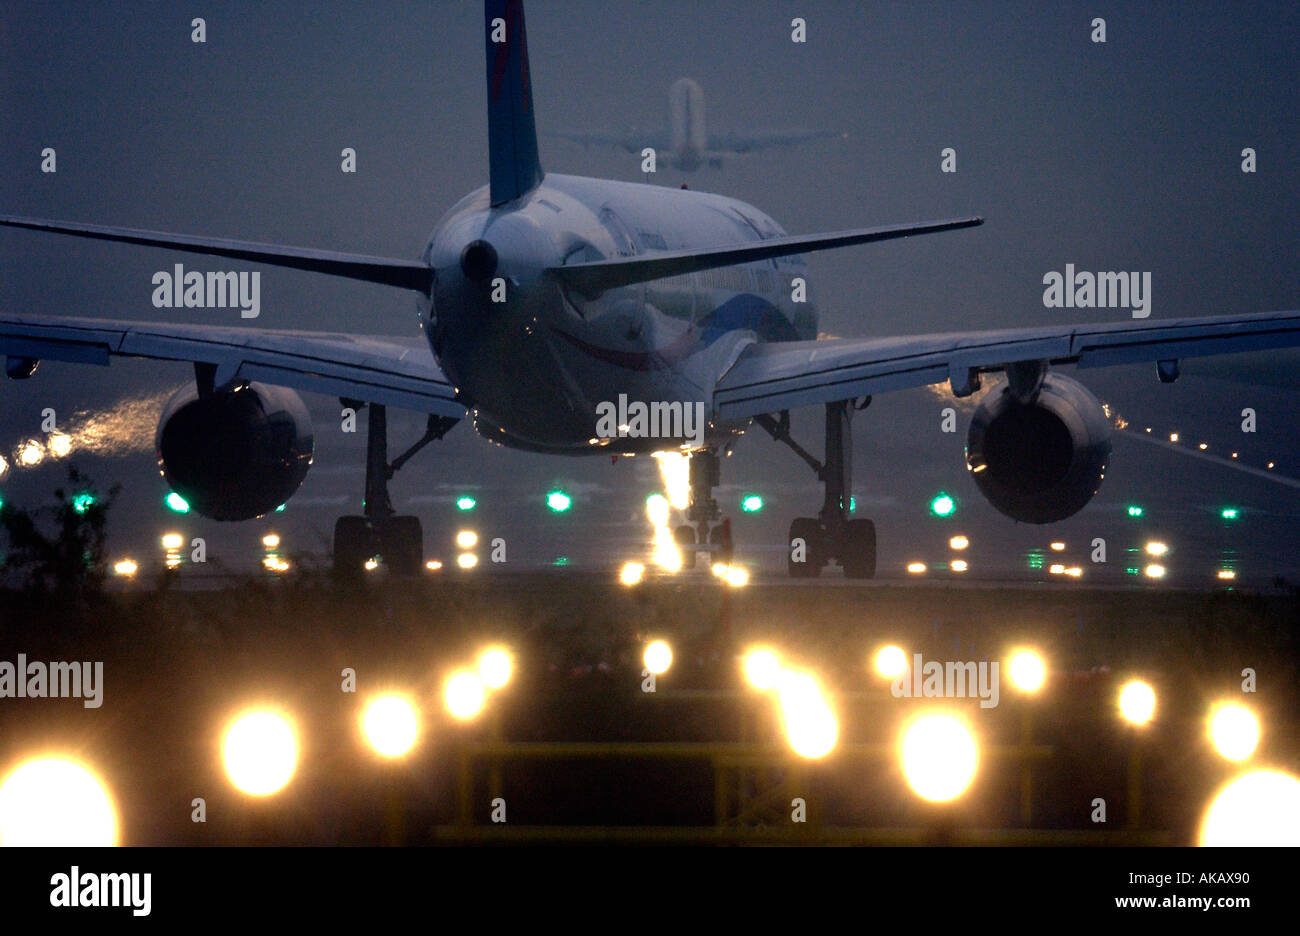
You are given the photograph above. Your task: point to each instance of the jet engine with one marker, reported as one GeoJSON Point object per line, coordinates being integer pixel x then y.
{"type": "Point", "coordinates": [235, 454]}
{"type": "Point", "coordinates": [1040, 461]}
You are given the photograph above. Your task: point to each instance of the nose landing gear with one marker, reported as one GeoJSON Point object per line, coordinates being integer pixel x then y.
{"type": "Point", "coordinates": [396, 540]}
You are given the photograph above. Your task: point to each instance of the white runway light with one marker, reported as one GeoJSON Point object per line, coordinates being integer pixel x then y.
{"type": "Point", "coordinates": [391, 725]}
{"type": "Point", "coordinates": [56, 801]}
{"type": "Point", "coordinates": [1137, 702]}
{"type": "Point", "coordinates": [658, 657]}
{"type": "Point", "coordinates": [260, 752]}
{"type": "Point", "coordinates": [1234, 731]}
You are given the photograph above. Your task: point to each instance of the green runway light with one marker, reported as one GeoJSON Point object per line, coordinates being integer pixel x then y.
{"type": "Point", "coordinates": [943, 505]}
{"type": "Point", "coordinates": [280, 509]}
{"type": "Point", "coordinates": [751, 503]}
{"type": "Point", "coordinates": [853, 503]}
{"type": "Point", "coordinates": [83, 502]}
{"type": "Point", "coordinates": [1229, 513]}
{"type": "Point", "coordinates": [466, 503]}
{"type": "Point", "coordinates": [1132, 570]}
{"type": "Point", "coordinates": [558, 501]}
{"type": "Point", "coordinates": [562, 560]}
{"type": "Point", "coordinates": [1134, 510]}
{"type": "Point", "coordinates": [177, 503]}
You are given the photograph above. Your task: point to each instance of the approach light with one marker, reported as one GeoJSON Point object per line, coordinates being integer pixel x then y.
{"type": "Point", "coordinates": [1156, 548]}
{"type": "Point", "coordinates": [1234, 730]}
{"type": "Point", "coordinates": [958, 542]}
{"type": "Point", "coordinates": [467, 560]}
{"type": "Point", "coordinates": [939, 757]}
{"type": "Point", "coordinates": [658, 657]}
{"type": "Point", "coordinates": [495, 667]}
{"type": "Point", "coordinates": [916, 568]}
{"type": "Point", "coordinates": [466, 503]}
{"type": "Point", "coordinates": [433, 565]}
{"type": "Point", "coordinates": [943, 505]}
{"type": "Point", "coordinates": [466, 539]}
{"type": "Point", "coordinates": [173, 541]}
{"type": "Point", "coordinates": [56, 801]}
{"type": "Point", "coordinates": [891, 661]}
{"type": "Point", "coordinates": [1227, 575]}
{"type": "Point", "coordinates": [751, 503]}
{"type": "Point", "coordinates": [391, 725]}
{"type": "Point", "coordinates": [558, 501]}
{"type": "Point", "coordinates": [1155, 571]}
{"type": "Point", "coordinates": [271, 540]}
{"type": "Point", "coordinates": [176, 503]}
{"type": "Point", "coordinates": [1028, 671]}
{"type": "Point", "coordinates": [1137, 702]}
{"type": "Point", "coordinates": [1258, 808]}
{"type": "Point", "coordinates": [125, 567]}
{"type": "Point", "coordinates": [464, 694]}
{"type": "Point", "coordinates": [260, 752]}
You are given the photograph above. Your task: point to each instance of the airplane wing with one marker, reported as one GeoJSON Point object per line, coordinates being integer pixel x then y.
{"type": "Point", "coordinates": [741, 143]}
{"type": "Point", "coordinates": [770, 377]}
{"type": "Point", "coordinates": [397, 372]}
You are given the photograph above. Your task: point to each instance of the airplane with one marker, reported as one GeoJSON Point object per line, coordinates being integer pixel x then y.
{"type": "Point", "coordinates": [545, 297]}
{"type": "Point", "coordinates": [685, 144]}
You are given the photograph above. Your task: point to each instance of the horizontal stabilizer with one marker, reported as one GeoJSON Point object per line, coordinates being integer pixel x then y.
{"type": "Point", "coordinates": [408, 274]}
{"type": "Point", "coordinates": [599, 275]}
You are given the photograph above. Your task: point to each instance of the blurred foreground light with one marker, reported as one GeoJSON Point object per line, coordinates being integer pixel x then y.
{"type": "Point", "coordinates": [390, 725]}
{"type": "Point", "coordinates": [658, 657]}
{"type": "Point", "coordinates": [810, 725]}
{"type": "Point", "coordinates": [176, 503]}
{"type": "Point", "coordinates": [466, 539]}
{"type": "Point", "coordinates": [1234, 729]}
{"type": "Point", "coordinates": [1156, 548]}
{"type": "Point", "coordinates": [271, 541]}
{"type": "Point", "coordinates": [260, 752]}
{"type": "Point", "coordinates": [959, 565]}
{"type": "Point", "coordinates": [60, 445]}
{"type": "Point", "coordinates": [631, 573]}
{"type": "Point", "coordinates": [467, 560]}
{"type": "Point", "coordinates": [495, 667]}
{"type": "Point", "coordinates": [56, 801]}
{"type": "Point", "coordinates": [126, 567]}
{"type": "Point", "coordinates": [916, 568]}
{"type": "Point", "coordinates": [464, 695]}
{"type": "Point", "coordinates": [30, 453]}
{"type": "Point", "coordinates": [1155, 571]}
{"type": "Point", "coordinates": [1137, 702]}
{"type": "Point", "coordinates": [939, 757]}
{"type": "Point", "coordinates": [173, 541]}
{"type": "Point", "coordinates": [1258, 808]}
{"type": "Point", "coordinates": [958, 542]}
{"type": "Point", "coordinates": [433, 565]}
{"type": "Point", "coordinates": [1028, 671]}
{"type": "Point", "coordinates": [762, 668]}
{"type": "Point", "coordinates": [891, 661]}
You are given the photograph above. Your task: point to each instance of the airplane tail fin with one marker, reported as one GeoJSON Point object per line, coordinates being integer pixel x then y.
{"type": "Point", "coordinates": [512, 134]}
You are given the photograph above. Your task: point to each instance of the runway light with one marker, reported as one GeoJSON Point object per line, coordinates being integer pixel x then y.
{"type": "Point", "coordinates": [176, 503]}
{"type": "Point", "coordinates": [891, 661]}
{"type": "Point", "coordinates": [30, 453]}
{"type": "Point", "coordinates": [658, 657]}
{"type": "Point", "coordinates": [464, 695]}
{"type": "Point", "coordinates": [126, 568]}
{"type": "Point", "coordinates": [939, 757]}
{"type": "Point", "coordinates": [260, 752]}
{"type": "Point", "coordinates": [83, 502]}
{"type": "Point", "coordinates": [558, 501]}
{"type": "Point", "coordinates": [1134, 510]}
{"type": "Point", "coordinates": [1155, 571]}
{"type": "Point", "coordinates": [1229, 513]}
{"type": "Point", "coordinates": [4, 466]}
{"type": "Point", "coordinates": [1028, 671]}
{"type": "Point", "coordinates": [943, 505]}
{"type": "Point", "coordinates": [1137, 702]}
{"type": "Point", "coordinates": [916, 568]}
{"type": "Point", "coordinates": [466, 539]}
{"type": "Point", "coordinates": [1058, 546]}
{"type": "Point", "coordinates": [958, 565]}
{"type": "Point", "coordinates": [271, 541]}
{"type": "Point", "coordinates": [467, 560]}
{"type": "Point", "coordinates": [56, 801]}
{"type": "Point", "coordinates": [1074, 571]}
{"type": "Point", "coordinates": [1234, 730]}
{"type": "Point", "coordinates": [1227, 575]}
{"type": "Point", "coordinates": [60, 445]}
{"type": "Point", "coordinates": [390, 725]}
{"type": "Point", "coordinates": [736, 576]}
{"type": "Point", "coordinates": [656, 508]}
{"type": "Point", "coordinates": [466, 502]}
{"type": "Point", "coordinates": [762, 668]}
{"type": "Point", "coordinates": [172, 541]}
{"type": "Point", "coordinates": [1155, 548]}
{"type": "Point", "coordinates": [1258, 808]}
{"type": "Point", "coordinates": [1056, 568]}
{"type": "Point", "coordinates": [751, 503]}
{"type": "Point", "coordinates": [1202, 446]}
{"type": "Point", "coordinates": [433, 565]}
{"type": "Point", "coordinates": [958, 542]}
{"type": "Point", "coordinates": [273, 564]}
{"type": "Point", "coordinates": [631, 573]}
{"type": "Point", "coordinates": [495, 667]}
{"type": "Point", "coordinates": [1173, 437]}
{"type": "Point", "coordinates": [810, 725]}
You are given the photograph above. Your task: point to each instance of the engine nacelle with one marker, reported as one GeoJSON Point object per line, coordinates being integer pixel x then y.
{"type": "Point", "coordinates": [1043, 461]}
{"type": "Point", "coordinates": [235, 454]}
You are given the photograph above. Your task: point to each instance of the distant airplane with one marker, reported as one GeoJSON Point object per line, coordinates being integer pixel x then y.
{"type": "Point", "coordinates": [686, 144]}
{"type": "Point", "coordinates": [582, 316]}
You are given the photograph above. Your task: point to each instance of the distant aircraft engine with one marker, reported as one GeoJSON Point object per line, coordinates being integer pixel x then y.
{"type": "Point", "coordinates": [1043, 461]}
{"type": "Point", "coordinates": [236, 454]}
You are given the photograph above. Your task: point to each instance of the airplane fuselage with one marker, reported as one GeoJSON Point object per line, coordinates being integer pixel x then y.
{"type": "Point", "coordinates": [536, 359]}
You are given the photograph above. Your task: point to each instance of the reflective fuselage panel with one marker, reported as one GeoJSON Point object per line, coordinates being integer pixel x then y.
{"type": "Point", "coordinates": [686, 123]}
{"type": "Point", "coordinates": [535, 366]}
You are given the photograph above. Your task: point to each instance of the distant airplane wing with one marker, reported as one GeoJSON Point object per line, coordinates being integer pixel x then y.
{"type": "Point", "coordinates": [631, 141]}
{"type": "Point", "coordinates": [741, 143]}
{"type": "Point", "coordinates": [397, 372]}
{"type": "Point", "coordinates": [770, 377]}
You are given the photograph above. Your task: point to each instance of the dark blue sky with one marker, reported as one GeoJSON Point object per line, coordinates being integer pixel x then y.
{"type": "Point", "coordinates": [1115, 156]}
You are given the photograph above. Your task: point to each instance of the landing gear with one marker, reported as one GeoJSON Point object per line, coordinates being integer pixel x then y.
{"type": "Point", "coordinates": [833, 535]}
{"type": "Point", "coordinates": [703, 514]}
{"type": "Point", "coordinates": [397, 541]}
